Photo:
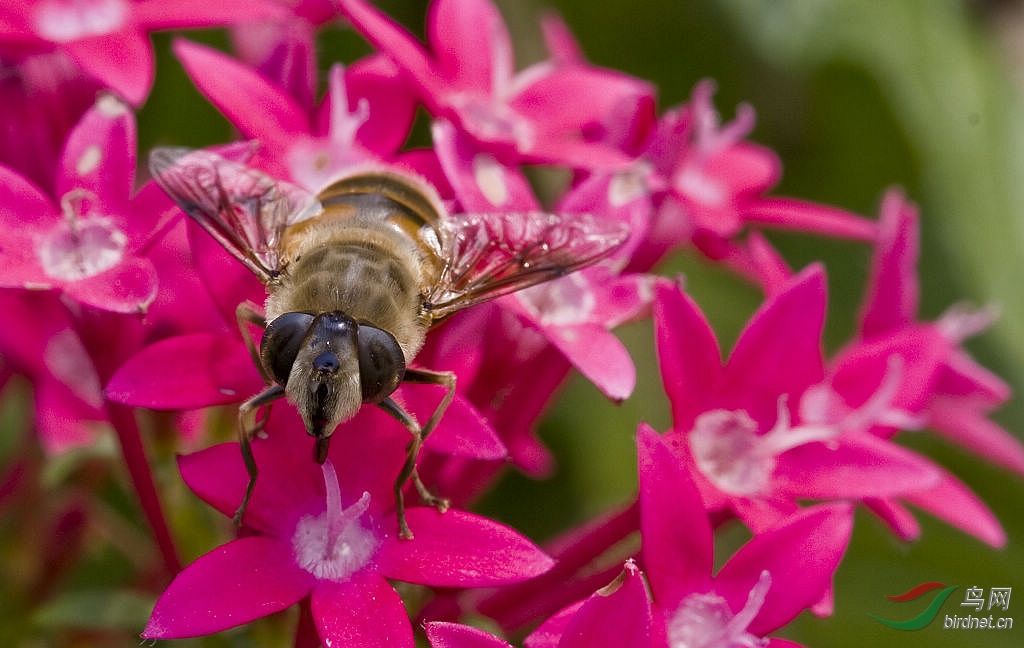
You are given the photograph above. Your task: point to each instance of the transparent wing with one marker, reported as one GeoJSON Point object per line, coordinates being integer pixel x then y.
{"type": "Point", "coordinates": [490, 255]}
{"type": "Point", "coordinates": [244, 210]}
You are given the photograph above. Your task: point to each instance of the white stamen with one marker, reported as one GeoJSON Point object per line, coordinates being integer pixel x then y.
{"type": "Point", "coordinates": [489, 175]}
{"type": "Point", "coordinates": [89, 160]}
{"type": "Point", "coordinates": [334, 545]}
{"type": "Point", "coordinates": [62, 21]}
{"type": "Point", "coordinates": [704, 620]}
{"type": "Point", "coordinates": [83, 244]}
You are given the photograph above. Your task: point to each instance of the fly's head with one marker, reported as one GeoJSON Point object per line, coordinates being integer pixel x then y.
{"type": "Point", "coordinates": [330, 365]}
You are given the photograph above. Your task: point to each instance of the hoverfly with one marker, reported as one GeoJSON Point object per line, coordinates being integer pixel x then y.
{"type": "Point", "coordinates": [356, 275]}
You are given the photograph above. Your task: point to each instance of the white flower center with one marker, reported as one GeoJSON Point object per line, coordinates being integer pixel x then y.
{"type": "Point", "coordinates": [62, 21]}
{"type": "Point", "coordinates": [729, 451]}
{"type": "Point", "coordinates": [334, 545]}
{"type": "Point", "coordinates": [82, 245]}
{"type": "Point", "coordinates": [705, 620]}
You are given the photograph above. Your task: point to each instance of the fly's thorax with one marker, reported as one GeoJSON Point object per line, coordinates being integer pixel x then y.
{"type": "Point", "coordinates": [364, 269]}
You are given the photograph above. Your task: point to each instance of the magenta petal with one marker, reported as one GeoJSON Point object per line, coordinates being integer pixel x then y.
{"type": "Point", "coordinates": [678, 549]}
{"type": "Point", "coordinates": [391, 39]}
{"type": "Point", "coordinates": [860, 466]}
{"type": "Point", "coordinates": [688, 354]}
{"type": "Point", "coordinates": [459, 549]}
{"type": "Point", "coordinates": [893, 292]}
{"type": "Point", "coordinates": [235, 88]}
{"type": "Point", "coordinates": [959, 422]}
{"type": "Point", "coordinates": [234, 584]}
{"type": "Point", "coordinates": [365, 611]}
{"type": "Point", "coordinates": [793, 214]}
{"type": "Point", "coordinates": [128, 287]}
{"type": "Point", "coordinates": [454, 635]}
{"type": "Point", "coordinates": [801, 556]}
{"type": "Point", "coordinates": [183, 14]}
{"type": "Point", "coordinates": [897, 517]}
{"type": "Point", "coordinates": [99, 155]}
{"type": "Point", "coordinates": [471, 44]}
{"type": "Point", "coordinates": [954, 503]}
{"type": "Point", "coordinates": [613, 617]}
{"type": "Point", "coordinates": [186, 372]}
{"type": "Point", "coordinates": [23, 203]}
{"type": "Point", "coordinates": [122, 60]}
{"type": "Point", "coordinates": [779, 351]}
{"type": "Point", "coordinates": [599, 356]}
{"type": "Point", "coordinates": [464, 432]}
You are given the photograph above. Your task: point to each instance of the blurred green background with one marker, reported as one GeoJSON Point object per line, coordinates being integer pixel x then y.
{"type": "Point", "coordinates": [854, 96]}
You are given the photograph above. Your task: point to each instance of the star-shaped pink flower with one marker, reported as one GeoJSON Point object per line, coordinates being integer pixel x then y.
{"type": "Point", "coordinates": [88, 239]}
{"type": "Point", "coordinates": [761, 588]}
{"type": "Point", "coordinates": [744, 427]}
{"type": "Point", "coordinates": [330, 535]}
{"type": "Point", "coordinates": [109, 39]}
{"type": "Point", "coordinates": [466, 75]}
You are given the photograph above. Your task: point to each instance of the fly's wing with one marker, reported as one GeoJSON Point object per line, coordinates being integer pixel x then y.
{"type": "Point", "coordinates": [244, 210]}
{"type": "Point", "coordinates": [490, 255]}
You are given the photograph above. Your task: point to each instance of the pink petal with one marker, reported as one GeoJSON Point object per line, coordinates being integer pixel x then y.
{"type": "Point", "coordinates": [578, 99]}
{"type": "Point", "coordinates": [613, 617]}
{"type": "Point", "coordinates": [390, 38]}
{"type": "Point", "coordinates": [63, 420]}
{"type": "Point", "coordinates": [801, 556]}
{"type": "Point", "coordinates": [956, 420]}
{"type": "Point", "coordinates": [471, 44]}
{"type": "Point", "coordinates": [953, 502]}
{"type": "Point", "coordinates": [392, 103]}
{"type": "Point", "coordinates": [559, 40]}
{"type": "Point", "coordinates": [365, 611]}
{"type": "Point", "coordinates": [688, 355]}
{"type": "Point", "coordinates": [481, 183]}
{"type": "Point", "coordinates": [599, 356]}
{"type": "Point", "coordinates": [800, 215]}
{"type": "Point", "coordinates": [185, 372]}
{"type": "Point", "coordinates": [454, 635]}
{"type": "Point", "coordinates": [961, 375]}
{"type": "Point", "coordinates": [99, 155]}
{"type": "Point", "coordinates": [459, 549]}
{"type": "Point", "coordinates": [464, 432]}
{"type": "Point", "coordinates": [860, 466]}
{"type": "Point", "coordinates": [23, 203]}
{"type": "Point", "coordinates": [122, 60]}
{"type": "Point", "coordinates": [779, 351]}
{"type": "Point", "coordinates": [745, 168]}
{"type": "Point", "coordinates": [548, 634]}
{"type": "Point", "coordinates": [128, 287]}
{"type": "Point", "coordinates": [184, 14]}
{"type": "Point", "coordinates": [234, 88]}
{"type": "Point", "coordinates": [893, 291]}
{"type": "Point", "coordinates": [897, 517]}
{"type": "Point", "coordinates": [678, 549]}
{"type": "Point", "coordinates": [234, 584]}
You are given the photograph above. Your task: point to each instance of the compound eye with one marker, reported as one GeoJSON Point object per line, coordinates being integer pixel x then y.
{"type": "Point", "coordinates": [281, 342]}
{"type": "Point", "coordinates": [381, 363]}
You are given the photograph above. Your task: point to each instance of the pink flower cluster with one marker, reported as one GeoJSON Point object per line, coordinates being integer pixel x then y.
{"type": "Point", "coordinates": [115, 301]}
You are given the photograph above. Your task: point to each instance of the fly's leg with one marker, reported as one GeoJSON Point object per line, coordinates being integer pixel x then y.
{"type": "Point", "coordinates": [247, 429]}
{"type": "Point", "coordinates": [247, 313]}
{"type": "Point", "coordinates": [446, 379]}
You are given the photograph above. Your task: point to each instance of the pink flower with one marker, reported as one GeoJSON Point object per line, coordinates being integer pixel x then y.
{"type": "Point", "coordinates": [928, 379]}
{"type": "Point", "coordinates": [466, 75]}
{"type": "Point", "coordinates": [761, 588]}
{"type": "Point", "coordinates": [329, 535]}
{"type": "Point", "coordinates": [87, 243]}
{"type": "Point", "coordinates": [108, 38]}
{"type": "Point", "coordinates": [364, 118]}
{"type": "Point", "coordinates": [745, 428]}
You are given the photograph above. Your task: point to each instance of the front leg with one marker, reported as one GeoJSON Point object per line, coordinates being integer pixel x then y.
{"type": "Point", "coordinates": [422, 376]}
{"type": "Point", "coordinates": [247, 429]}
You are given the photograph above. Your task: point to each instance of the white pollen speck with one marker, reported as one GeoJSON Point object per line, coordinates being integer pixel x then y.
{"type": "Point", "coordinates": [489, 176]}
{"type": "Point", "coordinates": [110, 106]}
{"type": "Point", "coordinates": [89, 160]}
{"type": "Point", "coordinates": [227, 392]}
